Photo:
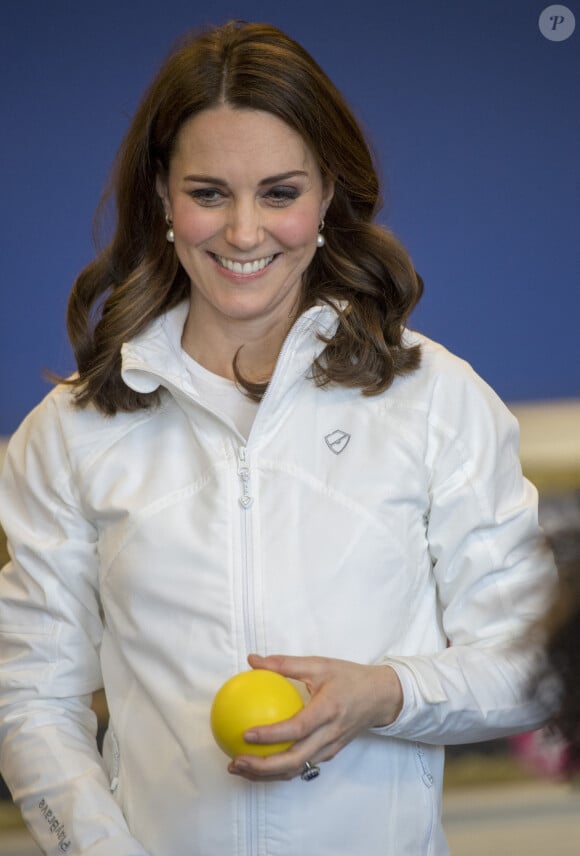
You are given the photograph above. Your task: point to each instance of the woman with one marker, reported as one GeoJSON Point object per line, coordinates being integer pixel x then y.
{"type": "Point", "coordinates": [257, 460]}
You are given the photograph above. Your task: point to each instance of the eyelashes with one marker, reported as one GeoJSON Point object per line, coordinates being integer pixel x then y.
{"type": "Point", "coordinates": [278, 197]}
{"type": "Point", "coordinates": [283, 195]}
{"type": "Point", "coordinates": [207, 196]}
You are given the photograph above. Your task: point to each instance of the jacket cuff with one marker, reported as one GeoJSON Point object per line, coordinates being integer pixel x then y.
{"type": "Point", "coordinates": [411, 699]}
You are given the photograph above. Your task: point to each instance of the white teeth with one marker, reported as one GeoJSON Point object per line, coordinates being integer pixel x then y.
{"type": "Point", "coordinates": [246, 267]}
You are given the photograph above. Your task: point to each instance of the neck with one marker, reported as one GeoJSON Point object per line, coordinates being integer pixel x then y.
{"type": "Point", "coordinates": [256, 343]}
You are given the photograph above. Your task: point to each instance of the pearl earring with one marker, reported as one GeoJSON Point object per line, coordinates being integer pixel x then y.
{"type": "Point", "coordinates": [320, 239]}
{"type": "Point", "coordinates": [170, 234]}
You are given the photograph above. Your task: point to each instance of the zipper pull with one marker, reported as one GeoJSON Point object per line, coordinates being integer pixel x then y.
{"type": "Point", "coordinates": [244, 473]}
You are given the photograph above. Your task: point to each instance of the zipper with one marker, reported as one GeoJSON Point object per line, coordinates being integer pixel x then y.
{"type": "Point", "coordinates": [246, 500]}
{"type": "Point", "coordinates": [116, 754]}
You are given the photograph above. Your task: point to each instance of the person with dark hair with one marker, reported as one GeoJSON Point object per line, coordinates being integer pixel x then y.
{"type": "Point", "coordinates": [257, 463]}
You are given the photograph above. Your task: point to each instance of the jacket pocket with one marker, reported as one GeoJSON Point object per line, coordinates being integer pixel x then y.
{"type": "Point", "coordinates": [423, 766]}
{"type": "Point", "coordinates": [429, 795]}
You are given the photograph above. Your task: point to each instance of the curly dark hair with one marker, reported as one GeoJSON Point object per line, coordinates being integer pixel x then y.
{"type": "Point", "coordinates": [137, 277]}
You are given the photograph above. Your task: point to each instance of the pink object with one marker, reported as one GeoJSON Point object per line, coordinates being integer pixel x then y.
{"type": "Point", "coordinates": [542, 752]}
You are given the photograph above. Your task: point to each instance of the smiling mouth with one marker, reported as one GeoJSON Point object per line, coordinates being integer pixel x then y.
{"type": "Point", "coordinates": [243, 268]}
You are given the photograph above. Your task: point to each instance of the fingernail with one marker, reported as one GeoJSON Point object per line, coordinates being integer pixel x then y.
{"type": "Point", "coordinates": [250, 736]}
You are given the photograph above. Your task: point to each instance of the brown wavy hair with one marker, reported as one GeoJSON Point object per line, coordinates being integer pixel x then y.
{"type": "Point", "coordinates": [137, 277]}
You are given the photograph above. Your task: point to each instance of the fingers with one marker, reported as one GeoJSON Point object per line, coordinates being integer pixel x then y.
{"type": "Point", "coordinates": [303, 669]}
{"type": "Point", "coordinates": [315, 736]}
{"type": "Point", "coordinates": [315, 732]}
{"type": "Point", "coordinates": [310, 720]}
{"type": "Point", "coordinates": [282, 766]}
{"type": "Point", "coordinates": [346, 699]}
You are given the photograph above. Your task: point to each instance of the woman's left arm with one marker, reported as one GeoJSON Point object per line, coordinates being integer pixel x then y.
{"type": "Point", "coordinates": [495, 577]}
{"type": "Point", "coordinates": [494, 572]}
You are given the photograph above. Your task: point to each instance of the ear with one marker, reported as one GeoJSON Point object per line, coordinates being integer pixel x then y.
{"type": "Point", "coordinates": [163, 192]}
{"type": "Point", "coordinates": [327, 198]}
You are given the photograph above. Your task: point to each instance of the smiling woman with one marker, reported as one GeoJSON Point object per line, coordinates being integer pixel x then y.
{"type": "Point", "coordinates": [258, 462]}
{"type": "Point", "coordinates": [245, 198]}
{"type": "Point", "coordinates": [236, 84]}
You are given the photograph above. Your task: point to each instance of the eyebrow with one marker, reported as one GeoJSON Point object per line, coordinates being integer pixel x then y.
{"type": "Point", "coordinates": [272, 179]}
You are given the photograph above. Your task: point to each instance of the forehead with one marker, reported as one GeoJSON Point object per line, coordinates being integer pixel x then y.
{"type": "Point", "coordinates": [226, 136]}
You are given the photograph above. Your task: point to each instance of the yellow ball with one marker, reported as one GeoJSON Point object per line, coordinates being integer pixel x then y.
{"type": "Point", "coordinates": [256, 697]}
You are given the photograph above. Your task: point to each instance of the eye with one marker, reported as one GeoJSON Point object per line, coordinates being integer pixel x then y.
{"type": "Point", "coordinates": [207, 195]}
{"type": "Point", "coordinates": [280, 196]}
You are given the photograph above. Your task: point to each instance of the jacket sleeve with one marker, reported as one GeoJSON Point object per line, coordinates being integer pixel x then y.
{"type": "Point", "coordinates": [493, 572]}
{"type": "Point", "coordinates": [50, 631]}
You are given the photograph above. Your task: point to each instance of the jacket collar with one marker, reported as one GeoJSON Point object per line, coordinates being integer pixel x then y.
{"type": "Point", "coordinates": [154, 358]}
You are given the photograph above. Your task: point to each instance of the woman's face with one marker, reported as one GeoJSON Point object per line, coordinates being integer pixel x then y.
{"type": "Point", "coordinates": [246, 198]}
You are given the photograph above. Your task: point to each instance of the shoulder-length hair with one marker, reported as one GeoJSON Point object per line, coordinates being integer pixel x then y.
{"type": "Point", "coordinates": [137, 277]}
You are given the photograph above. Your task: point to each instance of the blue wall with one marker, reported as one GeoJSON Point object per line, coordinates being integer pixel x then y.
{"type": "Point", "coordinates": [475, 117]}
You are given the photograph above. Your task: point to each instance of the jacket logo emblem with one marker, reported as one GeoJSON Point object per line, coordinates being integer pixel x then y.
{"type": "Point", "coordinates": [337, 441]}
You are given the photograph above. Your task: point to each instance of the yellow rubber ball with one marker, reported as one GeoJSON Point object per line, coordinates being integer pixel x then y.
{"type": "Point", "coordinates": [256, 697]}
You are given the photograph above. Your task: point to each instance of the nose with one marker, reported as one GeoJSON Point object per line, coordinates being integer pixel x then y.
{"type": "Point", "coordinates": [244, 228]}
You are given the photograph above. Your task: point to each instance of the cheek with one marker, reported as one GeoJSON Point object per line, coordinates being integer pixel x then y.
{"type": "Point", "coordinates": [194, 226]}
{"type": "Point", "coordinates": [298, 229]}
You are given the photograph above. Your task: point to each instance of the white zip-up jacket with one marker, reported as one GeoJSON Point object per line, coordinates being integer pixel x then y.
{"type": "Point", "coordinates": [152, 551]}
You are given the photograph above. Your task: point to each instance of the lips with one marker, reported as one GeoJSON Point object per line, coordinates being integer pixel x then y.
{"type": "Point", "coordinates": [243, 268]}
